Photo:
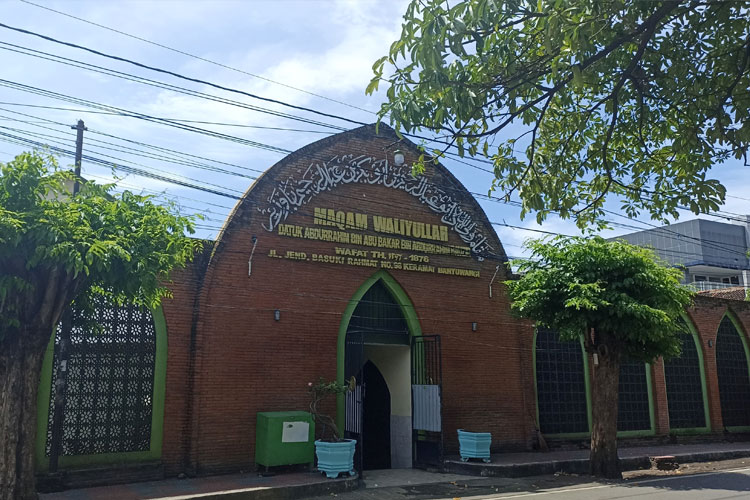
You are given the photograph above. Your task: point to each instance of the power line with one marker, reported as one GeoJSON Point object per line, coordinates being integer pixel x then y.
{"type": "Point", "coordinates": [150, 146]}
{"type": "Point", "coordinates": [180, 76]}
{"type": "Point", "coordinates": [475, 194]}
{"type": "Point", "coordinates": [155, 83]}
{"type": "Point", "coordinates": [140, 116]}
{"type": "Point", "coordinates": [183, 90]}
{"type": "Point", "coordinates": [219, 227]}
{"type": "Point", "coordinates": [178, 51]}
{"type": "Point", "coordinates": [480, 195]}
{"type": "Point", "coordinates": [221, 124]}
{"type": "Point", "coordinates": [129, 150]}
{"type": "Point", "coordinates": [124, 168]}
{"type": "Point", "coordinates": [551, 232]}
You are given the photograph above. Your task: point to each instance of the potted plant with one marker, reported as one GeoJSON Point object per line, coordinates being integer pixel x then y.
{"type": "Point", "coordinates": [334, 454]}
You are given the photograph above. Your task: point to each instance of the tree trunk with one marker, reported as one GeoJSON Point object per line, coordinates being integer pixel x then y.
{"type": "Point", "coordinates": [603, 460]}
{"type": "Point", "coordinates": [21, 357]}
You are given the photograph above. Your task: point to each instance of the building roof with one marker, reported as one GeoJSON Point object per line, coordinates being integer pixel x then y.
{"type": "Point", "coordinates": [697, 242]}
{"type": "Point", "coordinates": [729, 293]}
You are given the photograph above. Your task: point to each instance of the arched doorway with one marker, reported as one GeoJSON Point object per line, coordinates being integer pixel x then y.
{"type": "Point", "coordinates": [732, 371]}
{"type": "Point", "coordinates": [561, 385]}
{"type": "Point", "coordinates": [377, 421]}
{"type": "Point", "coordinates": [377, 329]}
{"type": "Point", "coordinates": [686, 385]}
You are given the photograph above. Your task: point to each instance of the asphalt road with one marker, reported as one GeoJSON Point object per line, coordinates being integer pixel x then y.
{"type": "Point", "coordinates": [723, 484]}
{"type": "Point", "coordinates": [707, 486]}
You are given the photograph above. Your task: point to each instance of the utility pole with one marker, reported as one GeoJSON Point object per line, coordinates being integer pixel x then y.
{"type": "Point", "coordinates": [79, 127]}
{"type": "Point", "coordinates": [62, 348]}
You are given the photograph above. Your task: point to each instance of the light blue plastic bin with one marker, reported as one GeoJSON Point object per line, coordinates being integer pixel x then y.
{"type": "Point", "coordinates": [335, 458]}
{"type": "Point", "coordinates": [474, 445]}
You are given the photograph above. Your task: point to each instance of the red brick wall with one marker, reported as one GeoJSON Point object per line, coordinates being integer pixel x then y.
{"type": "Point", "coordinates": [246, 362]}
{"type": "Point", "coordinates": [179, 316]}
{"type": "Point", "coordinates": [705, 315]}
{"type": "Point", "coordinates": [229, 359]}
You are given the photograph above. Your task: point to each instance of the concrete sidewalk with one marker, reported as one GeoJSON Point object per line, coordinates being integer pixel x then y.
{"type": "Point", "coordinates": [294, 485]}
{"type": "Point", "coordinates": [577, 461]}
{"type": "Point", "coordinates": [245, 486]}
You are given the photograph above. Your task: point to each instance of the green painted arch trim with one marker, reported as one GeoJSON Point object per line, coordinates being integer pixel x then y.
{"type": "Point", "coordinates": [587, 381]}
{"type": "Point", "coordinates": [704, 389]}
{"type": "Point", "coordinates": [741, 332]}
{"type": "Point", "coordinates": [743, 336]}
{"type": "Point", "coordinates": [651, 411]}
{"type": "Point", "coordinates": [587, 385]}
{"type": "Point", "coordinates": [407, 309]}
{"type": "Point", "coordinates": [157, 412]}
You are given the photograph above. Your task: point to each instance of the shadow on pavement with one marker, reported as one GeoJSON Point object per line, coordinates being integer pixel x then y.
{"type": "Point", "coordinates": [727, 481]}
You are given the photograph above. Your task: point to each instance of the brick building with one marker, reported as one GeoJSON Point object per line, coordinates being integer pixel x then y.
{"type": "Point", "coordinates": [338, 263]}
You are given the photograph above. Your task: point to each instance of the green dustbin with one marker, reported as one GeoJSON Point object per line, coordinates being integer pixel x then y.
{"type": "Point", "coordinates": [284, 438]}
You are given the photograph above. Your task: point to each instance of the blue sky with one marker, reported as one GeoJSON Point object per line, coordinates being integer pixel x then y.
{"type": "Point", "coordinates": [294, 49]}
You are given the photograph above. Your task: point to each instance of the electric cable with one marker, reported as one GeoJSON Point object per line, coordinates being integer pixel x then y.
{"type": "Point", "coordinates": [180, 76]}
{"type": "Point", "coordinates": [128, 76]}
{"type": "Point", "coordinates": [142, 116]}
{"type": "Point", "coordinates": [221, 124]}
{"type": "Point", "coordinates": [554, 233]}
{"type": "Point", "coordinates": [154, 83]}
{"type": "Point", "coordinates": [495, 199]}
{"type": "Point", "coordinates": [146, 145]}
{"type": "Point", "coordinates": [178, 51]}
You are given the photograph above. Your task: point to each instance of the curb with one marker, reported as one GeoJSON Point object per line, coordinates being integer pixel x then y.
{"type": "Point", "coordinates": [293, 492]}
{"type": "Point", "coordinates": [578, 465]}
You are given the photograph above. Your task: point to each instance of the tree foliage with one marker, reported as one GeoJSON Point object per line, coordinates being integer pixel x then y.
{"type": "Point", "coordinates": [619, 299]}
{"type": "Point", "coordinates": [57, 249]}
{"type": "Point", "coordinates": [120, 245]}
{"type": "Point", "coordinates": [574, 285]}
{"type": "Point", "coordinates": [572, 101]}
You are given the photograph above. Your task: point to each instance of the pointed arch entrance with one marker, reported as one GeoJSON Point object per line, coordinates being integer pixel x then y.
{"type": "Point", "coordinates": [733, 371]}
{"type": "Point", "coordinates": [685, 381]}
{"type": "Point", "coordinates": [377, 329]}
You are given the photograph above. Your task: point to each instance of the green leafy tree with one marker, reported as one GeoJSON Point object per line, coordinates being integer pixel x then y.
{"type": "Point", "coordinates": [55, 249]}
{"type": "Point", "coordinates": [619, 299]}
{"type": "Point", "coordinates": [572, 101]}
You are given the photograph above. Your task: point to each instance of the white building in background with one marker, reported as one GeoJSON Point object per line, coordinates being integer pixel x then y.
{"type": "Point", "coordinates": [714, 254]}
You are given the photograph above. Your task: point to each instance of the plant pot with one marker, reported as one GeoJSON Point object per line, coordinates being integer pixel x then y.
{"type": "Point", "coordinates": [335, 457]}
{"type": "Point", "coordinates": [474, 445]}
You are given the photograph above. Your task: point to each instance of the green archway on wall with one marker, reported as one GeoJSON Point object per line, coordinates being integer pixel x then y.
{"type": "Point", "coordinates": [157, 410]}
{"type": "Point", "coordinates": [651, 430]}
{"type": "Point", "coordinates": [407, 309]}
{"type": "Point", "coordinates": [587, 388]}
{"type": "Point", "coordinates": [693, 332]}
{"type": "Point", "coordinates": [741, 377]}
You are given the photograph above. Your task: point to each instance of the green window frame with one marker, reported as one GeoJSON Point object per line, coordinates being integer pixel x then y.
{"type": "Point", "coordinates": [157, 414]}
{"type": "Point", "coordinates": [587, 387]}
{"type": "Point", "coordinates": [693, 332]}
{"type": "Point", "coordinates": [729, 315]}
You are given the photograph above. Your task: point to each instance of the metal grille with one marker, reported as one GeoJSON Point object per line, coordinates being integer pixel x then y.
{"type": "Point", "coordinates": [110, 383]}
{"type": "Point", "coordinates": [684, 386]}
{"type": "Point", "coordinates": [378, 312]}
{"type": "Point", "coordinates": [426, 379]}
{"type": "Point", "coordinates": [560, 384]}
{"type": "Point", "coordinates": [426, 365]}
{"type": "Point", "coordinates": [633, 410]}
{"type": "Point", "coordinates": [734, 384]}
{"type": "Point", "coordinates": [426, 389]}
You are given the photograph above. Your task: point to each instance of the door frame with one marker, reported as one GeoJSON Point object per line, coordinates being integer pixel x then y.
{"type": "Point", "coordinates": [407, 309]}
